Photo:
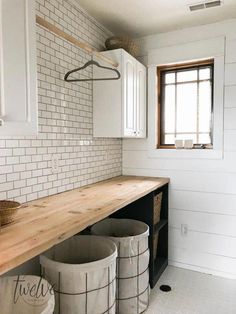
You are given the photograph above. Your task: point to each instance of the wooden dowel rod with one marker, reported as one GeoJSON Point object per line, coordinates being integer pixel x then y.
{"type": "Point", "coordinates": [73, 40]}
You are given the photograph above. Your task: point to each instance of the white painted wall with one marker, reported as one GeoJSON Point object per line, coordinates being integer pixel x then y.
{"type": "Point", "coordinates": [202, 190]}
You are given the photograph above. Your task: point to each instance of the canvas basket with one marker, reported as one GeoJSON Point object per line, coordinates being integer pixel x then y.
{"type": "Point", "coordinates": [82, 271]}
{"type": "Point", "coordinates": [131, 238]}
{"type": "Point", "coordinates": [26, 295]}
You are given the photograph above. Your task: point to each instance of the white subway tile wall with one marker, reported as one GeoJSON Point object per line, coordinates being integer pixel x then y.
{"type": "Point", "coordinates": [65, 117]}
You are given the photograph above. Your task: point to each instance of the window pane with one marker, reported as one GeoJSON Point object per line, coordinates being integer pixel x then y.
{"type": "Point", "coordinates": [186, 104]}
{"type": "Point", "coordinates": [204, 74]}
{"type": "Point", "coordinates": [204, 139]}
{"type": "Point", "coordinates": [187, 137]}
{"type": "Point", "coordinates": [169, 113]}
{"type": "Point", "coordinates": [204, 106]}
{"type": "Point", "coordinates": [189, 75]}
{"type": "Point", "coordinates": [169, 139]}
{"type": "Point", "coordinates": [170, 78]}
{"type": "Point", "coordinates": [187, 108]}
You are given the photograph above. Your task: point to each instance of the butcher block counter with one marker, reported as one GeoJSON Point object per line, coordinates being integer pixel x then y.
{"type": "Point", "coordinates": [42, 223]}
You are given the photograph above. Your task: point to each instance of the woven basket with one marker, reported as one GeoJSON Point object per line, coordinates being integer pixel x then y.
{"type": "Point", "coordinates": [157, 208]}
{"type": "Point", "coordinates": [7, 211]}
{"type": "Point", "coordinates": [122, 42]}
{"type": "Point", "coordinates": [155, 245]}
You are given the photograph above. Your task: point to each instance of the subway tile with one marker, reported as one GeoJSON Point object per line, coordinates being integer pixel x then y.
{"type": "Point", "coordinates": [65, 118]}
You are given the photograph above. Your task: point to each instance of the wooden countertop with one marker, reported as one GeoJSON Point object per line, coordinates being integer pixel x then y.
{"type": "Point", "coordinates": [48, 221]}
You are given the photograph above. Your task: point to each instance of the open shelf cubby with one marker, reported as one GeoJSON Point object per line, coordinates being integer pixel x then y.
{"type": "Point", "coordinates": [143, 210]}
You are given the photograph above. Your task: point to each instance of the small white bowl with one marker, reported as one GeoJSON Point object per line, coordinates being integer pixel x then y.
{"type": "Point", "coordinates": [179, 144]}
{"type": "Point", "coordinates": [188, 144]}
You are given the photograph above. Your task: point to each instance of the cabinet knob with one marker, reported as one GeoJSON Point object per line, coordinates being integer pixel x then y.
{"type": "Point", "coordinates": [1, 122]}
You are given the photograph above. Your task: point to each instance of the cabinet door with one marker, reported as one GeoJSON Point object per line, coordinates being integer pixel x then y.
{"type": "Point", "coordinates": [141, 101]}
{"type": "Point", "coordinates": [18, 93]}
{"type": "Point", "coordinates": [129, 127]}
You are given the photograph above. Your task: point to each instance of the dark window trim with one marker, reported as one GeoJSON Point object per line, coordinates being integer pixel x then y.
{"type": "Point", "coordinates": [160, 86]}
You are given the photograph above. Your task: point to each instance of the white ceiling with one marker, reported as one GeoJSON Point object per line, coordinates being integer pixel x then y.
{"type": "Point", "coordinates": [138, 18]}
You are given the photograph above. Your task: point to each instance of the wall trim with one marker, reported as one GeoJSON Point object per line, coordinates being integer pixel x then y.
{"type": "Point", "coordinates": [204, 49]}
{"type": "Point", "coordinates": [202, 270]}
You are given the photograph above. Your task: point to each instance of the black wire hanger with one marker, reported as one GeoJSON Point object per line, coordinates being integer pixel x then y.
{"type": "Point", "coordinates": [92, 62]}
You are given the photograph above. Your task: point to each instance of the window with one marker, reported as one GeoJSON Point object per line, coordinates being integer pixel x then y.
{"type": "Point", "coordinates": [185, 96]}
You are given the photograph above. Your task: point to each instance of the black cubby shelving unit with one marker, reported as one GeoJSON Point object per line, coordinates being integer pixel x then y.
{"type": "Point", "coordinates": [143, 210]}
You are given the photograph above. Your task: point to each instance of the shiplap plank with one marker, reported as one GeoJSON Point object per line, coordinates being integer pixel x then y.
{"type": "Point", "coordinates": [140, 159]}
{"type": "Point", "coordinates": [202, 242]}
{"type": "Point", "coordinates": [214, 263]}
{"type": "Point", "coordinates": [230, 74]}
{"type": "Point", "coordinates": [230, 96]}
{"type": "Point", "coordinates": [230, 141]}
{"type": "Point", "coordinates": [204, 222]}
{"type": "Point", "coordinates": [191, 180]}
{"type": "Point", "coordinates": [230, 119]}
{"type": "Point", "coordinates": [218, 203]}
{"type": "Point", "coordinates": [230, 51]}
{"type": "Point", "coordinates": [134, 144]}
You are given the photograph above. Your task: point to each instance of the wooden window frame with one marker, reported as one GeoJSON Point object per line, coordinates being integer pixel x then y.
{"type": "Point", "coordinates": [160, 85]}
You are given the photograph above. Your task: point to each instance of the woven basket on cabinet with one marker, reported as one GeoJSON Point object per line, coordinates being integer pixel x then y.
{"type": "Point", "coordinates": [122, 42]}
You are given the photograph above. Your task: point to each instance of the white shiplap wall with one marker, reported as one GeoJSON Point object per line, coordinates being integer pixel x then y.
{"type": "Point", "coordinates": [202, 191]}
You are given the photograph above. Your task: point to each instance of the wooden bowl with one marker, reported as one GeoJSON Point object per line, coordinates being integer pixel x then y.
{"type": "Point", "coordinates": [7, 211]}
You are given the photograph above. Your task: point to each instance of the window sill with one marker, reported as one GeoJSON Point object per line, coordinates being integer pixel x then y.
{"type": "Point", "coordinates": [208, 146]}
{"type": "Point", "coordinates": [186, 153]}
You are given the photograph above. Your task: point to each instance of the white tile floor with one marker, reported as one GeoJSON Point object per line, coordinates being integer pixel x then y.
{"type": "Point", "coordinates": [193, 293]}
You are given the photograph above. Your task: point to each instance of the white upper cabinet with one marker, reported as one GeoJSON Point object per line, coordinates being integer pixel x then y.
{"type": "Point", "coordinates": [141, 100]}
{"type": "Point", "coordinates": [119, 106]}
{"type": "Point", "coordinates": [18, 90]}
{"type": "Point", "coordinates": [129, 81]}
